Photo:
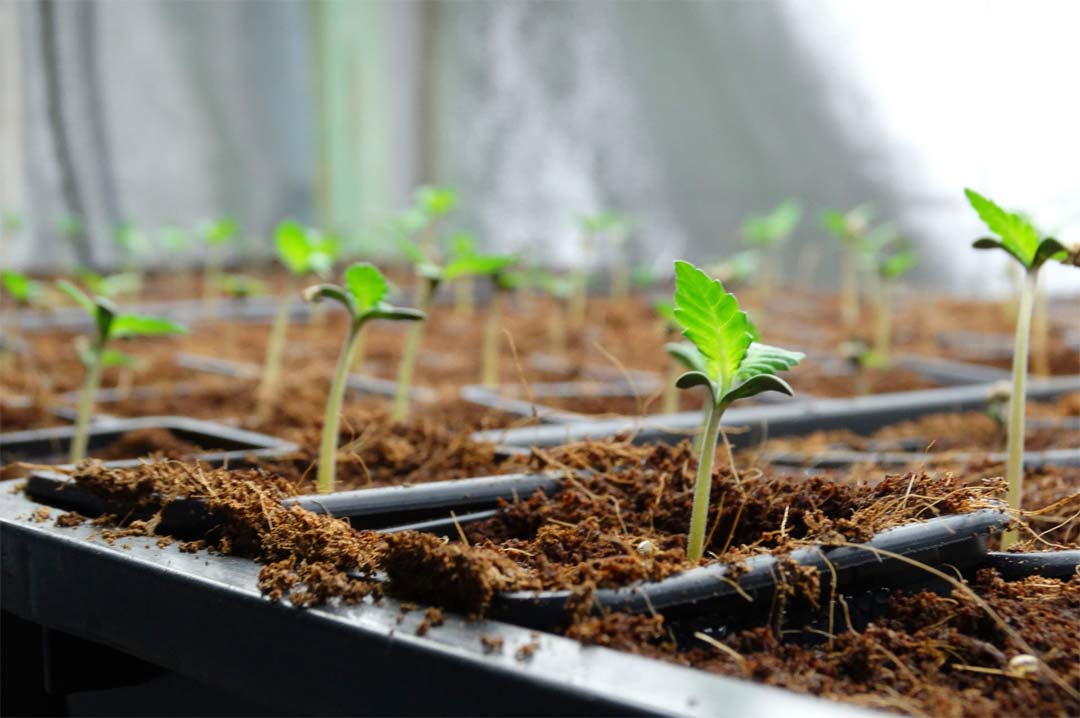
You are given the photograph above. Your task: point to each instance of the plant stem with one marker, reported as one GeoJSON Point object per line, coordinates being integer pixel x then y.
{"type": "Point", "coordinates": [463, 298]}
{"type": "Point", "coordinates": [883, 322]}
{"type": "Point", "coordinates": [1014, 471]}
{"type": "Point", "coordinates": [408, 356]}
{"type": "Point", "coordinates": [620, 276]}
{"type": "Point", "coordinates": [489, 375]}
{"type": "Point", "coordinates": [1040, 336]}
{"type": "Point", "coordinates": [275, 350]}
{"type": "Point", "coordinates": [695, 545]}
{"type": "Point", "coordinates": [332, 419]}
{"type": "Point", "coordinates": [86, 404]}
{"type": "Point", "coordinates": [211, 271]}
{"type": "Point", "coordinates": [671, 392]}
{"type": "Point", "coordinates": [849, 289]}
{"type": "Point", "coordinates": [557, 327]}
{"type": "Point", "coordinates": [358, 357]}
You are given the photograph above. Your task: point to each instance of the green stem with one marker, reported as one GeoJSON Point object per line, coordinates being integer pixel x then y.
{"type": "Point", "coordinates": [408, 356]}
{"type": "Point", "coordinates": [1040, 336]}
{"type": "Point", "coordinates": [210, 273]}
{"type": "Point", "coordinates": [1014, 471]}
{"type": "Point", "coordinates": [620, 277]}
{"type": "Point", "coordinates": [671, 392]}
{"type": "Point", "coordinates": [86, 404]}
{"type": "Point", "coordinates": [695, 545]}
{"type": "Point", "coordinates": [332, 419]}
{"type": "Point", "coordinates": [275, 350]}
{"type": "Point", "coordinates": [883, 323]}
{"type": "Point", "coordinates": [849, 288]}
{"type": "Point", "coordinates": [463, 296]}
{"type": "Point", "coordinates": [358, 357]}
{"type": "Point", "coordinates": [489, 375]}
{"type": "Point", "coordinates": [557, 327]}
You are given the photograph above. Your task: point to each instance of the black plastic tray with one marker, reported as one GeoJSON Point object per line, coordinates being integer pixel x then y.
{"type": "Point", "coordinates": [1051, 564]}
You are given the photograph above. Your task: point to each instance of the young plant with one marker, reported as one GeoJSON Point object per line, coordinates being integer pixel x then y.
{"type": "Point", "coordinates": [463, 245]}
{"type": "Point", "coordinates": [891, 268]}
{"type": "Point", "coordinates": [302, 251]}
{"type": "Point", "coordinates": [132, 244]}
{"type": "Point", "coordinates": [859, 357]}
{"type": "Point", "coordinates": [429, 276]}
{"type": "Point", "coordinates": [560, 290]}
{"type": "Point", "coordinates": [362, 295]}
{"type": "Point", "coordinates": [676, 350]}
{"type": "Point", "coordinates": [432, 203]}
{"type": "Point", "coordinates": [850, 229]}
{"type": "Point", "coordinates": [1017, 237]}
{"type": "Point", "coordinates": [734, 365]}
{"type": "Point", "coordinates": [217, 235]}
{"type": "Point", "coordinates": [767, 233]}
{"type": "Point", "coordinates": [24, 290]}
{"type": "Point", "coordinates": [111, 286]}
{"type": "Point", "coordinates": [96, 354]}
{"type": "Point", "coordinates": [503, 283]}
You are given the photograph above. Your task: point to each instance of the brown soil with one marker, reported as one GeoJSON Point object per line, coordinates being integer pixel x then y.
{"type": "Point", "coordinates": [32, 416]}
{"type": "Point", "coordinates": [930, 655]}
{"type": "Point", "coordinates": [154, 442]}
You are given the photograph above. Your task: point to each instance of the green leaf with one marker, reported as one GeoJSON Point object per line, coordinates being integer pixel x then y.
{"type": "Point", "coordinates": [290, 240]}
{"type": "Point", "coordinates": [899, 264]}
{"type": "Point", "coordinates": [1017, 236]}
{"type": "Point", "coordinates": [666, 311]}
{"type": "Point", "coordinates": [687, 355]}
{"type": "Point", "coordinates": [117, 358]}
{"type": "Point", "coordinates": [77, 296]}
{"type": "Point", "coordinates": [366, 284]}
{"type": "Point", "coordinates": [1050, 249]}
{"type": "Point", "coordinates": [764, 359]}
{"type": "Point", "coordinates": [435, 201]}
{"type": "Point", "coordinates": [712, 320]}
{"type": "Point", "coordinates": [141, 325]}
{"type": "Point", "coordinates": [696, 378]}
{"type": "Point", "coordinates": [476, 265]}
{"type": "Point", "coordinates": [758, 385]}
{"type": "Point", "coordinates": [21, 288]}
{"type": "Point", "coordinates": [462, 244]}
{"type": "Point", "coordinates": [104, 317]}
{"type": "Point", "coordinates": [318, 292]}
{"type": "Point", "coordinates": [397, 314]}
{"type": "Point", "coordinates": [218, 232]}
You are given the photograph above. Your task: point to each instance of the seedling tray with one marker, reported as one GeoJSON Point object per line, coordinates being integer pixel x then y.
{"type": "Point", "coordinates": [1050, 564]}
{"type": "Point", "coordinates": [201, 615]}
{"type": "Point", "coordinates": [229, 444]}
{"type": "Point", "coordinates": [863, 415]}
{"type": "Point", "coordinates": [843, 459]}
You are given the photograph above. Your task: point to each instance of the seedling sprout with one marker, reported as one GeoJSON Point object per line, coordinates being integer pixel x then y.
{"type": "Point", "coordinates": [850, 229]}
{"type": "Point", "coordinates": [767, 233]}
{"type": "Point", "coordinates": [217, 235]}
{"type": "Point", "coordinates": [362, 295]}
{"type": "Point", "coordinates": [1017, 237]}
{"type": "Point", "coordinates": [891, 267]}
{"type": "Point", "coordinates": [733, 365]}
{"type": "Point", "coordinates": [96, 354]}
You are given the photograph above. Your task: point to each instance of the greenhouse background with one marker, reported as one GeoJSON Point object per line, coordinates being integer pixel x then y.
{"type": "Point", "coordinates": [687, 116]}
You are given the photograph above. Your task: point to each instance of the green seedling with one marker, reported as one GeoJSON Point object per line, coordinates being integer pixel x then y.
{"type": "Point", "coordinates": [111, 286]}
{"type": "Point", "coordinates": [666, 313]}
{"type": "Point", "coordinates": [850, 229]}
{"type": "Point", "coordinates": [767, 233]}
{"type": "Point", "coordinates": [132, 243]}
{"type": "Point", "coordinates": [463, 245]}
{"type": "Point", "coordinates": [429, 276]}
{"type": "Point", "coordinates": [1018, 238]}
{"type": "Point", "coordinates": [504, 283]}
{"type": "Point", "coordinates": [891, 268]}
{"type": "Point", "coordinates": [739, 268]}
{"type": "Point", "coordinates": [859, 357]}
{"type": "Point", "coordinates": [362, 295]}
{"type": "Point", "coordinates": [301, 251]}
{"type": "Point", "coordinates": [25, 291]}
{"type": "Point", "coordinates": [560, 289]}
{"type": "Point", "coordinates": [109, 324]}
{"type": "Point", "coordinates": [733, 365]}
{"type": "Point", "coordinates": [217, 234]}
{"type": "Point", "coordinates": [430, 205]}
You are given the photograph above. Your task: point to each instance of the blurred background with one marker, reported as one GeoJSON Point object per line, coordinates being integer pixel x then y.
{"type": "Point", "coordinates": [685, 116]}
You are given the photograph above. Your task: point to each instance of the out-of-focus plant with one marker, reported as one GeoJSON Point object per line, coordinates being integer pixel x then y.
{"type": "Point", "coordinates": [560, 290]}
{"type": "Point", "coordinates": [851, 229]}
{"type": "Point", "coordinates": [503, 284]}
{"type": "Point", "coordinates": [732, 365]}
{"type": "Point", "coordinates": [110, 286]}
{"type": "Point", "coordinates": [109, 324]}
{"type": "Point", "coordinates": [739, 268]}
{"type": "Point", "coordinates": [892, 265]}
{"type": "Point", "coordinates": [217, 235]}
{"type": "Point", "coordinates": [25, 291]}
{"type": "Point", "coordinates": [768, 233]}
{"type": "Point", "coordinates": [1017, 237]}
{"type": "Point", "coordinates": [362, 295]}
{"type": "Point", "coordinates": [301, 251]}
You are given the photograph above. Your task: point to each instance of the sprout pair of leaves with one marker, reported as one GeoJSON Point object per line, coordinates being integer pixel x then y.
{"type": "Point", "coordinates": [109, 286]}
{"type": "Point", "coordinates": [611, 223]}
{"type": "Point", "coordinates": [892, 266]}
{"type": "Point", "coordinates": [733, 364]}
{"type": "Point", "coordinates": [218, 232]}
{"type": "Point", "coordinates": [24, 290]}
{"type": "Point", "coordinates": [130, 239]}
{"type": "Point", "coordinates": [849, 227]}
{"type": "Point", "coordinates": [430, 203]}
{"type": "Point", "coordinates": [362, 295]}
{"type": "Point", "coordinates": [739, 267]}
{"type": "Point", "coordinates": [467, 263]}
{"type": "Point", "coordinates": [303, 250]}
{"type": "Point", "coordinates": [775, 227]}
{"type": "Point", "coordinates": [241, 286]}
{"type": "Point", "coordinates": [1017, 236]}
{"type": "Point", "coordinates": [110, 324]}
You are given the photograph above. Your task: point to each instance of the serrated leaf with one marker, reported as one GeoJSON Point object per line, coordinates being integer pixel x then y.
{"type": "Point", "coordinates": [76, 295]}
{"type": "Point", "coordinates": [765, 359]}
{"type": "Point", "coordinates": [366, 284]}
{"type": "Point", "coordinates": [1017, 236]}
{"type": "Point", "coordinates": [711, 319]}
{"type": "Point", "coordinates": [687, 355]}
{"type": "Point", "coordinates": [476, 265]}
{"type": "Point", "coordinates": [141, 325]}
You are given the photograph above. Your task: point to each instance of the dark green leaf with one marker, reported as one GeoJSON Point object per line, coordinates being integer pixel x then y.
{"type": "Point", "coordinates": [105, 318]}
{"type": "Point", "coordinates": [696, 378]}
{"type": "Point", "coordinates": [1050, 249]}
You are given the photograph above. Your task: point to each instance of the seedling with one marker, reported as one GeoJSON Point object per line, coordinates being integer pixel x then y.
{"type": "Point", "coordinates": [302, 251]}
{"type": "Point", "coordinates": [217, 234]}
{"type": "Point", "coordinates": [24, 290]}
{"type": "Point", "coordinates": [768, 233]}
{"type": "Point", "coordinates": [560, 290]}
{"type": "Point", "coordinates": [733, 366]}
{"type": "Point", "coordinates": [1016, 236]}
{"type": "Point", "coordinates": [666, 312]}
{"type": "Point", "coordinates": [430, 205]}
{"type": "Point", "coordinates": [362, 295]}
{"type": "Point", "coordinates": [96, 354]}
{"type": "Point", "coordinates": [429, 276]}
{"type": "Point", "coordinates": [739, 268]}
{"type": "Point", "coordinates": [850, 229]}
{"type": "Point", "coordinates": [859, 358]}
{"type": "Point", "coordinates": [132, 244]}
{"type": "Point", "coordinates": [891, 267]}
{"type": "Point", "coordinates": [111, 286]}
{"type": "Point", "coordinates": [504, 283]}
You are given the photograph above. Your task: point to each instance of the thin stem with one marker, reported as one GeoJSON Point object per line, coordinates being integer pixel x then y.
{"type": "Point", "coordinates": [211, 271]}
{"type": "Point", "coordinates": [620, 276]}
{"type": "Point", "coordinates": [849, 288]}
{"type": "Point", "coordinates": [489, 375]}
{"type": "Point", "coordinates": [557, 327]}
{"type": "Point", "coordinates": [408, 356]}
{"type": "Point", "coordinates": [331, 421]}
{"type": "Point", "coordinates": [463, 298]}
{"type": "Point", "coordinates": [275, 350]}
{"type": "Point", "coordinates": [671, 392]}
{"type": "Point", "coordinates": [883, 323]}
{"type": "Point", "coordinates": [86, 403]}
{"type": "Point", "coordinates": [1040, 336]}
{"type": "Point", "coordinates": [695, 545]}
{"type": "Point", "coordinates": [1014, 468]}
{"type": "Point", "coordinates": [358, 356]}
